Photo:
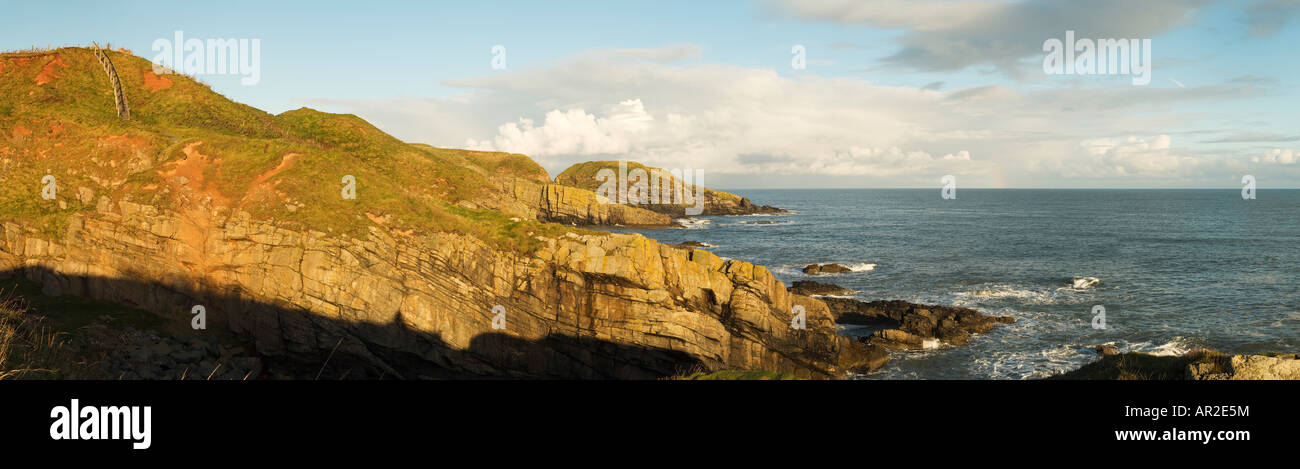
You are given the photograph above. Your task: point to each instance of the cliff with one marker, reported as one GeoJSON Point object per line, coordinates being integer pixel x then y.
{"type": "Point", "coordinates": [201, 201]}
{"type": "Point", "coordinates": [585, 176]}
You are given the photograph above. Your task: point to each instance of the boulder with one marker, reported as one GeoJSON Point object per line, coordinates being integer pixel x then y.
{"type": "Point", "coordinates": [821, 269]}
{"type": "Point", "coordinates": [1255, 367]}
{"type": "Point", "coordinates": [1106, 350]}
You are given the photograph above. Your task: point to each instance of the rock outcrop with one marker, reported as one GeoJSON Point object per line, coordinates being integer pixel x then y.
{"type": "Point", "coordinates": [584, 175]}
{"type": "Point", "coordinates": [1248, 367]}
{"type": "Point", "coordinates": [596, 306]}
{"type": "Point", "coordinates": [822, 269]}
{"type": "Point", "coordinates": [915, 326]}
{"type": "Point", "coordinates": [1106, 350]}
{"type": "Point", "coordinates": [570, 205]}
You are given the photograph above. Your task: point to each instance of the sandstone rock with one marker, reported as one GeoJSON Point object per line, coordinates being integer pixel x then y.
{"type": "Point", "coordinates": [582, 306]}
{"type": "Point", "coordinates": [715, 202]}
{"type": "Point", "coordinates": [570, 205]}
{"type": "Point", "coordinates": [1255, 367]}
{"type": "Point", "coordinates": [820, 269]}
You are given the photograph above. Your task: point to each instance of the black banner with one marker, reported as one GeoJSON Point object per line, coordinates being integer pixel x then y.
{"type": "Point", "coordinates": [355, 417]}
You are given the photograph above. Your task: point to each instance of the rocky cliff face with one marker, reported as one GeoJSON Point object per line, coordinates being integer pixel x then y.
{"type": "Point", "coordinates": [606, 306]}
{"type": "Point", "coordinates": [1248, 367]}
{"type": "Point", "coordinates": [318, 237]}
{"type": "Point", "coordinates": [585, 176]}
{"type": "Point", "coordinates": [570, 205]}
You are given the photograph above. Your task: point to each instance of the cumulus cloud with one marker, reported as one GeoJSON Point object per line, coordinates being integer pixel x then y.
{"type": "Point", "coordinates": [1132, 155]}
{"type": "Point", "coordinates": [573, 132]}
{"type": "Point", "coordinates": [1278, 156]}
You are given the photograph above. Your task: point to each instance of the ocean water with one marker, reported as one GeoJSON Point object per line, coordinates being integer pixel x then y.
{"type": "Point", "coordinates": [1177, 269]}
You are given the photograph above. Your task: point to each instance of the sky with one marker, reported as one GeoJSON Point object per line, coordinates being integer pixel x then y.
{"type": "Point", "coordinates": [768, 93]}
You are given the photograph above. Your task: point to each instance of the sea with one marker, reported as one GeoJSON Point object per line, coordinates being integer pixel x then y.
{"type": "Point", "coordinates": [1172, 270]}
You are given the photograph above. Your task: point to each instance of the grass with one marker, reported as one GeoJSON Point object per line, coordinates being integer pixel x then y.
{"type": "Point", "coordinates": [583, 175]}
{"type": "Point", "coordinates": [68, 128]}
{"type": "Point", "coordinates": [1143, 366]}
{"type": "Point", "coordinates": [68, 313]}
{"type": "Point", "coordinates": [29, 349]}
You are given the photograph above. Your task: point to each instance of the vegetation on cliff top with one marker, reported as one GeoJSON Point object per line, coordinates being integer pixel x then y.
{"type": "Point", "coordinates": [57, 118]}
{"type": "Point", "coordinates": [583, 175]}
{"type": "Point", "coordinates": [29, 349]}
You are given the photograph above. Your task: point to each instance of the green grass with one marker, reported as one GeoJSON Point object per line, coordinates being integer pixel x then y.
{"type": "Point", "coordinates": [68, 313]}
{"type": "Point", "coordinates": [75, 135]}
{"type": "Point", "coordinates": [29, 348]}
{"type": "Point", "coordinates": [583, 175]}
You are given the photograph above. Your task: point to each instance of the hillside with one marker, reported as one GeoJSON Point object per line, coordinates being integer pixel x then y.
{"type": "Point", "coordinates": [200, 201]}
{"type": "Point", "coordinates": [586, 176]}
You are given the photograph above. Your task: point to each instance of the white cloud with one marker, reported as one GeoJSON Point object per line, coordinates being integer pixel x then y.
{"type": "Point", "coordinates": [647, 106]}
{"type": "Point", "coordinates": [573, 132]}
{"type": "Point", "coordinates": [1278, 156]}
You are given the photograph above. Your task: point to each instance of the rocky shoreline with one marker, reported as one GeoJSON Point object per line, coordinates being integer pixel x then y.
{"type": "Point", "coordinates": [1195, 365]}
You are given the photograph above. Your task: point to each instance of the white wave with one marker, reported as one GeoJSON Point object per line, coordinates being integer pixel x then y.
{"type": "Point", "coordinates": [694, 223]}
{"type": "Point", "coordinates": [1176, 346]}
{"type": "Point", "coordinates": [1004, 292]}
{"type": "Point", "coordinates": [764, 223]}
{"type": "Point", "coordinates": [1084, 283]}
{"type": "Point", "coordinates": [785, 270]}
{"type": "Point", "coordinates": [1292, 316]}
{"type": "Point", "coordinates": [1031, 364]}
{"type": "Point", "coordinates": [847, 297]}
{"type": "Point", "coordinates": [862, 267]}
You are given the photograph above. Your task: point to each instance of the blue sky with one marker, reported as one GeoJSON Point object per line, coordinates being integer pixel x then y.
{"type": "Point", "coordinates": [895, 94]}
